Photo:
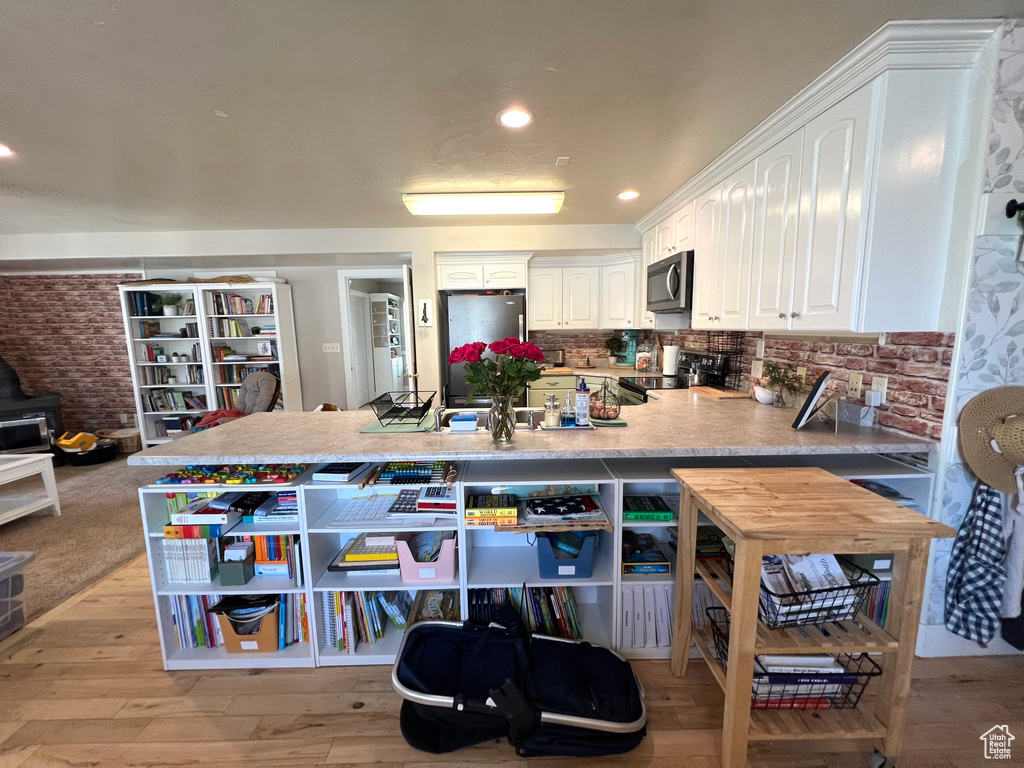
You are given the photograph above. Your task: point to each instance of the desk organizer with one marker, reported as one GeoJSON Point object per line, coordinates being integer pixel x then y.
{"type": "Point", "coordinates": [797, 691]}
{"type": "Point", "coordinates": [552, 567]}
{"type": "Point", "coordinates": [441, 570]}
{"type": "Point", "coordinates": [263, 640]}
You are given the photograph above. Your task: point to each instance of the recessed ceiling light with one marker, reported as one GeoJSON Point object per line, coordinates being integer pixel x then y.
{"type": "Point", "coordinates": [220, 113]}
{"type": "Point", "coordinates": [561, 161]}
{"type": "Point", "coordinates": [6, 151]}
{"type": "Point", "coordinates": [516, 117]}
{"type": "Point", "coordinates": [628, 194]}
{"type": "Point", "coordinates": [478, 203]}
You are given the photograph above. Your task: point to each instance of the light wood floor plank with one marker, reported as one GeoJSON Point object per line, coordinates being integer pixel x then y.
{"type": "Point", "coordinates": [175, 706]}
{"type": "Point", "coordinates": [225, 754]}
{"type": "Point", "coordinates": [13, 757]}
{"type": "Point", "coordinates": [199, 728]}
{"type": "Point", "coordinates": [60, 709]}
{"type": "Point", "coordinates": [77, 731]}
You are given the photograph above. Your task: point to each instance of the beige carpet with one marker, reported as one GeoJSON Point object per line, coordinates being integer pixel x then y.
{"type": "Point", "coordinates": [100, 529]}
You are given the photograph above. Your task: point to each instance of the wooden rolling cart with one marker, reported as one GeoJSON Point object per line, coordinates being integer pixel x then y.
{"type": "Point", "coordinates": [800, 511]}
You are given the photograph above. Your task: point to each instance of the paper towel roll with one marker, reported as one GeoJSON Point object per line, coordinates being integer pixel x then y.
{"type": "Point", "coordinates": [670, 360]}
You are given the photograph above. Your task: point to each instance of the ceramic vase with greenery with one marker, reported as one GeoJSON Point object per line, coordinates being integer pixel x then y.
{"type": "Point", "coordinates": [170, 302]}
{"type": "Point", "coordinates": [501, 378]}
{"type": "Point", "coordinates": [614, 347]}
{"type": "Point", "coordinates": [783, 381]}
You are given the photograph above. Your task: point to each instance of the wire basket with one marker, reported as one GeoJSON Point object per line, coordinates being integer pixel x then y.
{"type": "Point", "coordinates": [726, 342]}
{"type": "Point", "coordinates": [816, 606]}
{"type": "Point", "coordinates": [799, 691]}
{"type": "Point", "coordinates": [394, 408]}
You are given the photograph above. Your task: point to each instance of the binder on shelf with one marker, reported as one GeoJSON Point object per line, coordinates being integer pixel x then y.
{"type": "Point", "coordinates": [663, 614]}
{"type": "Point", "coordinates": [650, 620]}
{"type": "Point", "coordinates": [639, 623]}
{"type": "Point", "coordinates": [627, 617]}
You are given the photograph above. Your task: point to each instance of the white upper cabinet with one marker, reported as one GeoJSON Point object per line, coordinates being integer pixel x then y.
{"type": "Point", "coordinates": [776, 209]}
{"type": "Point", "coordinates": [706, 300]}
{"type": "Point", "coordinates": [505, 275]}
{"type": "Point", "coordinates": [666, 238]}
{"type": "Point", "coordinates": [544, 311]}
{"type": "Point", "coordinates": [618, 295]}
{"type": "Point", "coordinates": [736, 238]}
{"type": "Point", "coordinates": [832, 190]}
{"type": "Point", "coordinates": [649, 254]}
{"type": "Point", "coordinates": [581, 297]}
{"type": "Point", "coordinates": [683, 222]}
{"type": "Point", "coordinates": [456, 275]}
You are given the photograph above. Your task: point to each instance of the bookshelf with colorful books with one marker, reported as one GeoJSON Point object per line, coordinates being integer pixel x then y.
{"type": "Point", "coordinates": [181, 367]}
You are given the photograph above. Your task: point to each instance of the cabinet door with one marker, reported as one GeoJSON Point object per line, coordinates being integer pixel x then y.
{"type": "Point", "coordinates": [648, 256]}
{"type": "Point", "coordinates": [544, 299]}
{"type": "Point", "coordinates": [618, 286]}
{"type": "Point", "coordinates": [666, 239]}
{"type": "Point", "coordinates": [683, 223]}
{"type": "Point", "coordinates": [831, 188]}
{"type": "Point", "coordinates": [459, 275]}
{"type": "Point", "coordinates": [737, 240]}
{"type": "Point", "coordinates": [507, 275]}
{"type": "Point", "coordinates": [706, 298]}
{"type": "Point", "coordinates": [581, 297]}
{"type": "Point", "coordinates": [776, 212]}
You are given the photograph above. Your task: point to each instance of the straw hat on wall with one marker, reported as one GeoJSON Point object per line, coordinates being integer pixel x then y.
{"type": "Point", "coordinates": [992, 436]}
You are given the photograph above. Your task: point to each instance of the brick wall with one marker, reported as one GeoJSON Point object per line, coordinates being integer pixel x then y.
{"type": "Point", "coordinates": [916, 364]}
{"type": "Point", "coordinates": [64, 333]}
{"type": "Point", "coordinates": [578, 345]}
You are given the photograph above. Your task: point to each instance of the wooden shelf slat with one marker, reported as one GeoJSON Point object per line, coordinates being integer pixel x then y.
{"type": "Point", "coordinates": [810, 724]}
{"type": "Point", "coordinates": [702, 639]}
{"type": "Point", "coordinates": [724, 597]}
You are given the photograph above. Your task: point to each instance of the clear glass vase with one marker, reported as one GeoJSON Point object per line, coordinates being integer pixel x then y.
{"type": "Point", "coordinates": [502, 419]}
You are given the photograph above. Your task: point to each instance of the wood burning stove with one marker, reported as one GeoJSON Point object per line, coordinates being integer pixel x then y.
{"type": "Point", "coordinates": [27, 422]}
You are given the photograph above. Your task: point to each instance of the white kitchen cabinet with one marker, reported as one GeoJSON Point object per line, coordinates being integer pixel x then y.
{"type": "Point", "coordinates": [829, 231]}
{"type": "Point", "coordinates": [581, 297]}
{"type": "Point", "coordinates": [458, 275]}
{"type": "Point", "coordinates": [705, 269]}
{"type": "Point", "coordinates": [735, 244]}
{"type": "Point", "coordinates": [776, 213]}
{"type": "Point", "coordinates": [666, 238]}
{"type": "Point", "coordinates": [648, 255]}
{"type": "Point", "coordinates": [618, 295]}
{"type": "Point", "coordinates": [544, 299]}
{"type": "Point", "coordinates": [504, 275]}
{"type": "Point", "coordinates": [683, 223]}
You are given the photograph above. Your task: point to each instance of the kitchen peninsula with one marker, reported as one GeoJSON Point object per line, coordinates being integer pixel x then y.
{"type": "Point", "coordinates": [675, 429]}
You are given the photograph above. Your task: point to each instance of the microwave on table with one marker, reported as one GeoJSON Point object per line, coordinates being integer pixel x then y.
{"type": "Point", "coordinates": [670, 283]}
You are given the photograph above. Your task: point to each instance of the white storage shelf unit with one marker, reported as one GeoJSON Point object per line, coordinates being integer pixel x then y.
{"type": "Point", "coordinates": [201, 375]}
{"type": "Point", "coordinates": [485, 557]}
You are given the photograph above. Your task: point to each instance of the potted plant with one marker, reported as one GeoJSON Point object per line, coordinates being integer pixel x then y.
{"type": "Point", "coordinates": [614, 347]}
{"type": "Point", "coordinates": [501, 378]}
{"type": "Point", "coordinates": [782, 380]}
{"type": "Point", "coordinates": [170, 302]}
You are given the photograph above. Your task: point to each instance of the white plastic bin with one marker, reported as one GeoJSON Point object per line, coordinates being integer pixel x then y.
{"type": "Point", "coordinates": [12, 585]}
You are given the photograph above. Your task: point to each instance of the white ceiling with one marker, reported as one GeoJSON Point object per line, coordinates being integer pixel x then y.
{"type": "Point", "coordinates": [336, 107]}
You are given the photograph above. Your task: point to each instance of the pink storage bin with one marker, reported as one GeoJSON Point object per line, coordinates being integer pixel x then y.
{"type": "Point", "coordinates": [441, 570]}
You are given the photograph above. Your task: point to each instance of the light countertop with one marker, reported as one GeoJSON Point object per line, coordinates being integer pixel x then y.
{"type": "Point", "coordinates": [674, 423]}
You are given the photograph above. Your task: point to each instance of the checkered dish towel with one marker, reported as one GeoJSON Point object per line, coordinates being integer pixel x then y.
{"type": "Point", "coordinates": [974, 582]}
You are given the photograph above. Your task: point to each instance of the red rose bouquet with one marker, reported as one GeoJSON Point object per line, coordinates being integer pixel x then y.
{"type": "Point", "coordinates": [503, 376]}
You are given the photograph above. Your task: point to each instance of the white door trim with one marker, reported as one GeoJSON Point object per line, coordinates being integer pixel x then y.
{"type": "Point", "coordinates": [344, 275]}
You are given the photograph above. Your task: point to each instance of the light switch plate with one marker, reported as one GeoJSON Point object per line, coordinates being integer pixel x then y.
{"type": "Point", "coordinates": [855, 386]}
{"type": "Point", "coordinates": [801, 373]}
{"type": "Point", "coordinates": [756, 369]}
{"type": "Point", "coordinates": [336, 347]}
{"type": "Point", "coordinates": [760, 348]}
{"type": "Point", "coordinates": [880, 384]}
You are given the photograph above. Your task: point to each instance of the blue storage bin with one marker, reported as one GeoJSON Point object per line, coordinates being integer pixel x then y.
{"type": "Point", "coordinates": [552, 567]}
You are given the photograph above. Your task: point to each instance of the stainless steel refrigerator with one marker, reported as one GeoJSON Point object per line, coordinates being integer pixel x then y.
{"type": "Point", "coordinates": [476, 317]}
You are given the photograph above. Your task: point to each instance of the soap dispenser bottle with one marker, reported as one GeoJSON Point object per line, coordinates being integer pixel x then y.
{"type": "Point", "coordinates": [582, 404]}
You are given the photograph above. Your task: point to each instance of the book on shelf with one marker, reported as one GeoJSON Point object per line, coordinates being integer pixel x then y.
{"type": "Point", "coordinates": [196, 624]}
{"type": "Point", "coordinates": [157, 400]}
{"type": "Point", "coordinates": [361, 617]}
{"type": "Point", "coordinates": [144, 304]}
{"type": "Point", "coordinates": [358, 550]}
{"type": "Point", "coordinates": [641, 553]}
{"type": "Point", "coordinates": [195, 531]}
{"type": "Point", "coordinates": [225, 303]}
{"type": "Point", "coordinates": [646, 509]}
{"type": "Point", "coordinates": [190, 561]}
{"type": "Point", "coordinates": [435, 605]}
{"type": "Point", "coordinates": [229, 328]}
{"type": "Point", "coordinates": [200, 512]}
{"type": "Point", "coordinates": [178, 501]}
{"type": "Point", "coordinates": [708, 542]}
{"type": "Point", "coordinates": [647, 615]}
{"type": "Point", "coordinates": [546, 610]}
{"type": "Point", "coordinates": [340, 472]}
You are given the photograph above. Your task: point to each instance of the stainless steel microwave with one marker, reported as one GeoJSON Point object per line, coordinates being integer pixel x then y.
{"type": "Point", "coordinates": [670, 283]}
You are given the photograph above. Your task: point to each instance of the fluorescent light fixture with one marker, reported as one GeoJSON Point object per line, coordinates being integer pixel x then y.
{"type": "Point", "coordinates": [628, 194]}
{"type": "Point", "coordinates": [482, 203]}
{"type": "Point", "coordinates": [6, 151]}
{"type": "Point", "coordinates": [516, 117]}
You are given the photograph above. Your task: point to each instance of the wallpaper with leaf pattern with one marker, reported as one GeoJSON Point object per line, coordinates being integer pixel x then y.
{"type": "Point", "coordinates": [991, 346]}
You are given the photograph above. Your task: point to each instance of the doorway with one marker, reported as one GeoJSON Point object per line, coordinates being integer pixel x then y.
{"type": "Point", "coordinates": [379, 346]}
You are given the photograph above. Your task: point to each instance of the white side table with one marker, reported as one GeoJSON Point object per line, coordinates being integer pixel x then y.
{"type": "Point", "coordinates": [15, 466]}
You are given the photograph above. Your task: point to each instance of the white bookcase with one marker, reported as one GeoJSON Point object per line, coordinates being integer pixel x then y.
{"type": "Point", "coordinates": [485, 557]}
{"type": "Point", "coordinates": [198, 373]}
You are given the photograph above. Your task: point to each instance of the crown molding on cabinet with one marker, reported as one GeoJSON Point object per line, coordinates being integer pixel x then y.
{"type": "Point", "coordinates": [584, 260]}
{"type": "Point", "coordinates": [897, 45]}
{"type": "Point", "coordinates": [492, 257]}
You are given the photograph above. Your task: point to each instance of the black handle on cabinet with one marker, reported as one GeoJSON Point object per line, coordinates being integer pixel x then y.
{"type": "Point", "coordinates": [1014, 208]}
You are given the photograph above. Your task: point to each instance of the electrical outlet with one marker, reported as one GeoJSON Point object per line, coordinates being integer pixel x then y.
{"type": "Point", "coordinates": [756, 369]}
{"type": "Point", "coordinates": [332, 348]}
{"type": "Point", "coordinates": [801, 373]}
{"type": "Point", "coordinates": [880, 384]}
{"type": "Point", "coordinates": [760, 348]}
{"type": "Point", "coordinates": [855, 386]}
{"type": "Point", "coordinates": [124, 418]}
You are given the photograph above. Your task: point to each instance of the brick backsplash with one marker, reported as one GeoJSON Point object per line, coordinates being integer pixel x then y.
{"type": "Point", "coordinates": [916, 364]}
{"type": "Point", "coordinates": [64, 333]}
